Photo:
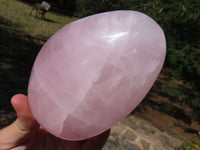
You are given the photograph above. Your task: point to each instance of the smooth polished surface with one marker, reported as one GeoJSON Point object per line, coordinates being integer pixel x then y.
{"type": "Point", "coordinates": [95, 71]}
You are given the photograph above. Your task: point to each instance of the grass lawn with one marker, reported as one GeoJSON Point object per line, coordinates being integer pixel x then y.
{"type": "Point", "coordinates": [18, 13]}
{"type": "Point", "coordinates": [22, 35]}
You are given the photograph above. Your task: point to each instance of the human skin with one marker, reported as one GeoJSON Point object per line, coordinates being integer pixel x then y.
{"type": "Point", "coordinates": [26, 134]}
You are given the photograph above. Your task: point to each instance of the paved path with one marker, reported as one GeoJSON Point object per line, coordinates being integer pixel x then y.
{"type": "Point", "coordinates": [135, 133]}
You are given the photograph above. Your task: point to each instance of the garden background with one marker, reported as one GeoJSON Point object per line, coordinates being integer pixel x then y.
{"type": "Point", "coordinates": [175, 96]}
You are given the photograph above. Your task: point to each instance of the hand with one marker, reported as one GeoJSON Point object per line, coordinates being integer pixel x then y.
{"type": "Point", "coordinates": [26, 134]}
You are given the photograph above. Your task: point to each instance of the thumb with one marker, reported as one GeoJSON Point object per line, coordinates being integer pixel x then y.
{"type": "Point", "coordinates": [20, 130]}
{"type": "Point", "coordinates": [25, 121]}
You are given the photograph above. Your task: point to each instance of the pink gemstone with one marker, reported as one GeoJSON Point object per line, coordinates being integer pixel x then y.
{"type": "Point", "coordinates": [95, 71]}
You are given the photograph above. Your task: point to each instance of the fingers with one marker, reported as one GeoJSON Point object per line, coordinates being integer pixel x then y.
{"type": "Point", "coordinates": [20, 130]}
{"type": "Point", "coordinates": [97, 142]}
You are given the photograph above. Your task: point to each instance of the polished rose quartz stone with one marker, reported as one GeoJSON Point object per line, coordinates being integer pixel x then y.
{"type": "Point", "coordinates": [93, 72]}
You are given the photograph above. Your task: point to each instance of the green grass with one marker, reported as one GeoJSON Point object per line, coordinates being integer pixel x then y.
{"type": "Point", "coordinates": [184, 94]}
{"type": "Point", "coordinates": [22, 35]}
{"type": "Point", "coordinates": [18, 13]}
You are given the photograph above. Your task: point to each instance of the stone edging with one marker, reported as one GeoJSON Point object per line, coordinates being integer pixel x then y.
{"type": "Point", "coordinates": [142, 135]}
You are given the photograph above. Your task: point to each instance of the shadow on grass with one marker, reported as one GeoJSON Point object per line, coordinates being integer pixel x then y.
{"type": "Point", "coordinates": [68, 9]}
{"type": "Point", "coordinates": [44, 19]}
{"type": "Point", "coordinates": [175, 101]}
{"type": "Point", "coordinates": [17, 53]}
{"type": "Point", "coordinates": [49, 20]}
{"type": "Point", "coordinates": [39, 17]}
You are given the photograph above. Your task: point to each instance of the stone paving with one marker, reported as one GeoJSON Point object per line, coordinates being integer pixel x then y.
{"type": "Point", "coordinates": [135, 133]}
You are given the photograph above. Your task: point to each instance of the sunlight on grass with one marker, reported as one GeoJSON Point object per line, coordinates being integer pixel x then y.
{"type": "Point", "coordinates": [18, 13]}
